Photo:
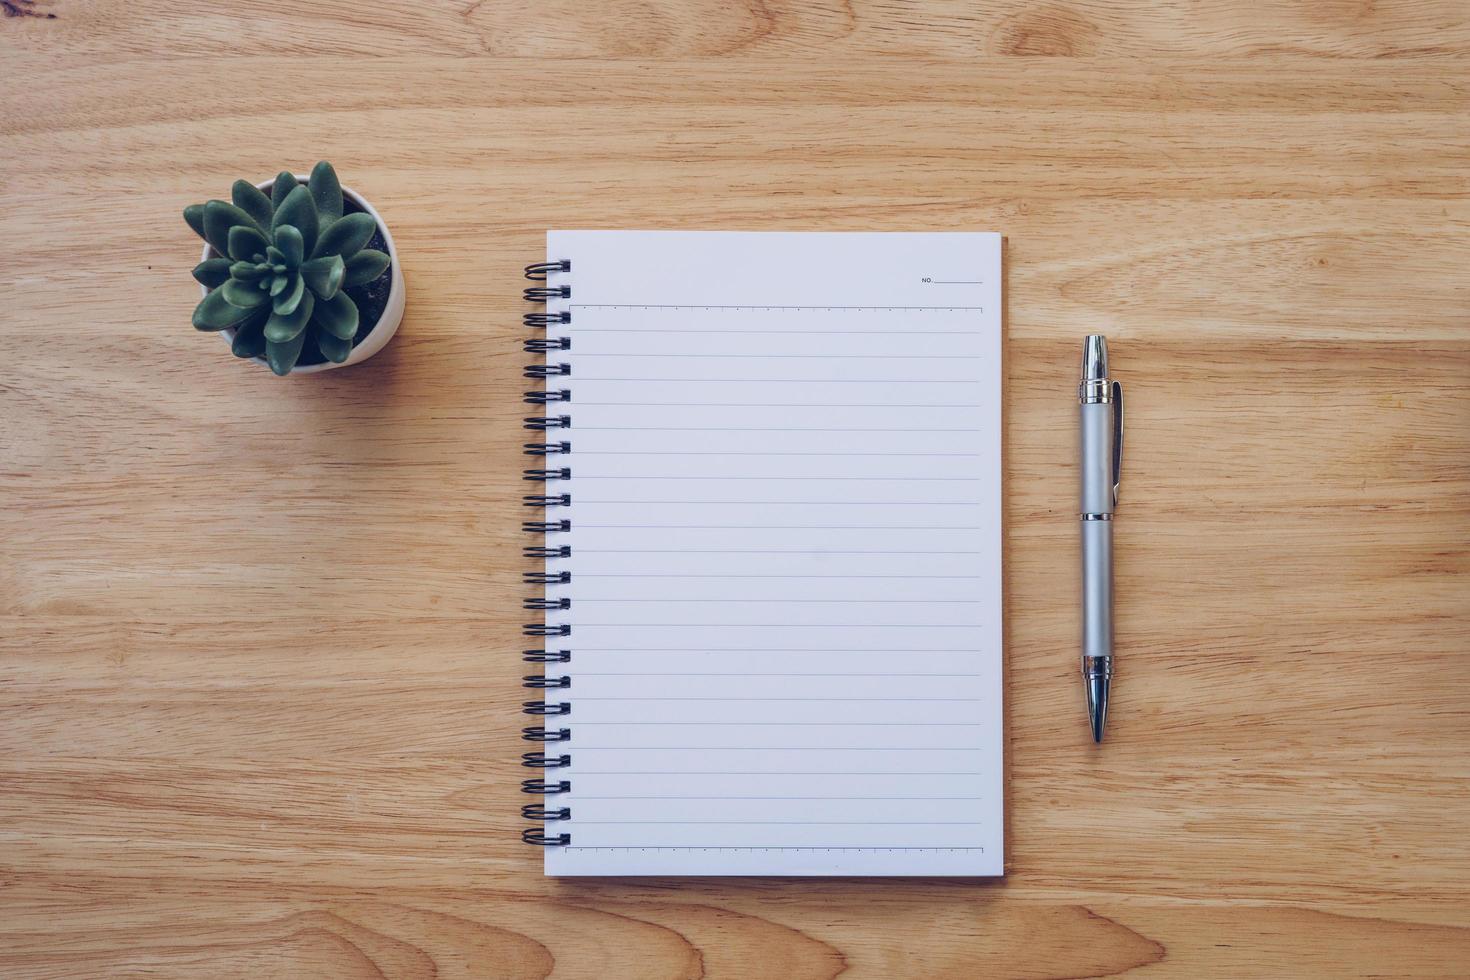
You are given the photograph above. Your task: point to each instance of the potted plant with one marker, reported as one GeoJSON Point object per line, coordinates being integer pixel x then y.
{"type": "Point", "coordinates": [299, 277]}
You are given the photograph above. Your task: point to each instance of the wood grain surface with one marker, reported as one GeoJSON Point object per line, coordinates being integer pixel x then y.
{"type": "Point", "coordinates": [258, 637]}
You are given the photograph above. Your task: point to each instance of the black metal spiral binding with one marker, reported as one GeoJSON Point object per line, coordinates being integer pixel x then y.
{"type": "Point", "coordinates": [545, 787]}
{"type": "Point", "coordinates": [543, 734]}
{"type": "Point", "coordinates": [543, 397]}
{"type": "Point", "coordinates": [546, 656]}
{"type": "Point", "coordinates": [547, 578]}
{"type": "Point", "coordinates": [547, 500]}
{"type": "Point", "coordinates": [540, 811]}
{"type": "Point", "coordinates": [538, 271]}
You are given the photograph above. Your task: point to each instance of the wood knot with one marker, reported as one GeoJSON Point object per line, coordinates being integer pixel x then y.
{"type": "Point", "coordinates": [24, 8]}
{"type": "Point", "coordinates": [1049, 32]}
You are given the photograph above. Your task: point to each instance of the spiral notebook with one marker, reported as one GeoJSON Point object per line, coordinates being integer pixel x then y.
{"type": "Point", "coordinates": [771, 533]}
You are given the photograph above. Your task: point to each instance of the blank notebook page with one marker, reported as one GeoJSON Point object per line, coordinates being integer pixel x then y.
{"type": "Point", "coordinates": [785, 568]}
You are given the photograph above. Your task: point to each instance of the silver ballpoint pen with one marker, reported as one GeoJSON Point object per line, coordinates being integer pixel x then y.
{"type": "Point", "coordinates": [1100, 402]}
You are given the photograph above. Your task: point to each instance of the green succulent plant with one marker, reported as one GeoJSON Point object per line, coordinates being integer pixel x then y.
{"type": "Point", "coordinates": [282, 264]}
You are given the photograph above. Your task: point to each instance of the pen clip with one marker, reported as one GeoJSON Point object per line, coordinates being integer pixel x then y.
{"type": "Point", "coordinates": [1117, 439]}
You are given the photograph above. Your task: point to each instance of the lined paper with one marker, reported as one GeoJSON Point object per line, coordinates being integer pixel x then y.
{"type": "Point", "coordinates": [785, 593]}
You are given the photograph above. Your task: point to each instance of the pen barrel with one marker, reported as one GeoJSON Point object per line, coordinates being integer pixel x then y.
{"type": "Point", "coordinates": [1097, 589]}
{"type": "Point", "coordinates": [1097, 458]}
{"type": "Point", "coordinates": [1096, 510]}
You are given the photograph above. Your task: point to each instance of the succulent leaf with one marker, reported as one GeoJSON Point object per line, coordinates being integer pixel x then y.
{"type": "Point", "coordinates": [248, 198]}
{"type": "Point", "coordinates": [245, 242]}
{"type": "Point", "coordinates": [285, 183]}
{"type": "Point", "coordinates": [283, 357]}
{"type": "Point", "coordinates": [219, 218]}
{"type": "Point", "coordinates": [299, 211]}
{"type": "Point", "coordinates": [249, 338]}
{"type": "Point", "coordinates": [212, 272]}
{"type": "Point", "coordinates": [334, 349]}
{"type": "Point", "coordinates": [291, 246]}
{"type": "Point", "coordinates": [337, 316]}
{"type": "Point", "coordinates": [245, 295]}
{"type": "Point", "coordinates": [365, 266]}
{"type": "Point", "coordinates": [290, 298]}
{"type": "Point", "coordinates": [246, 271]}
{"type": "Point", "coordinates": [324, 275]}
{"type": "Point", "coordinates": [281, 327]}
{"type": "Point", "coordinates": [346, 236]}
{"type": "Point", "coordinates": [214, 313]}
{"type": "Point", "coordinates": [194, 215]}
{"type": "Point", "coordinates": [326, 191]}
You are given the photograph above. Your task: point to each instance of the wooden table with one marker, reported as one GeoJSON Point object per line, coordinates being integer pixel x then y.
{"type": "Point", "coordinates": [258, 653]}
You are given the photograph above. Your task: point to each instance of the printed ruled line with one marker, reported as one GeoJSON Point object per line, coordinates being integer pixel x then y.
{"type": "Point", "coordinates": [770, 847]}
{"type": "Point", "coordinates": [704, 650]}
{"type": "Point", "coordinates": [716, 452]}
{"type": "Point", "coordinates": [908, 799]}
{"type": "Point", "coordinates": [799, 527]}
{"type": "Point", "coordinates": [791, 724]}
{"type": "Point", "coordinates": [581, 356]}
{"type": "Point", "coordinates": [770, 724]}
{"type": "Point", "coordinates": [799, 333]}
{"type": "Point", "coordinates": [776, 428]}
{"type": "Point", "coordinates": [865, 602]}
{"type": "Point", "coordinates": [827, 381]}
{"type": "Point", "coordinates": [782, 725]}
{"type": "Point", "coordinates": [731, 551]}
{"type": "Point", "coordinates": [696, 652]}
{"type": "Point", "coordinates": [765, 404]}
{"type": "Point", "coordinates": [791, 823]}
{"type": "Point", "coordinates": [814, 503]}
{"type": "Point", "coordinates": [784, 748]}
{"type": "Point", "coordinates": [582, 575]}
{"type": "Point", "coordinates": [689, 306]}
{"type": "Point", "coordinates": [797, 479]}
{"type": "Point", "coordinates": [824, 626]}
{"type": "Point", "coordinates": [763, 772]}
{"type": "Point", "coordinates": [681, 699]}
{"type": "Point", "coordinates": [754, 673]}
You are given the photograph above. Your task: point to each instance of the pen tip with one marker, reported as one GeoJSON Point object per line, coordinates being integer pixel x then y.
{"type": "Point", "coordinates": [1097, 705]}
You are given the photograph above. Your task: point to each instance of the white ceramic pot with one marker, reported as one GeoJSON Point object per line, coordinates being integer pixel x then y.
{"type": "Point", "coordinates": [387, 324]}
